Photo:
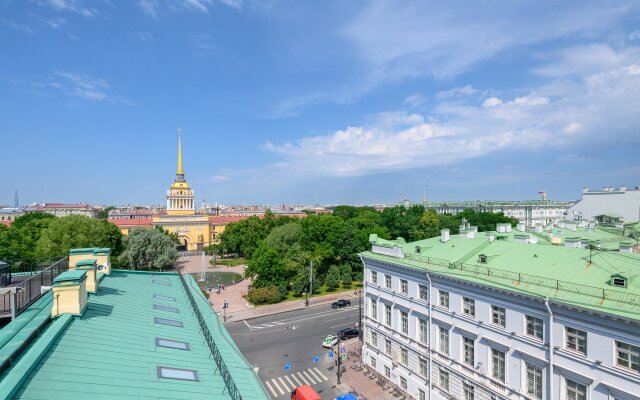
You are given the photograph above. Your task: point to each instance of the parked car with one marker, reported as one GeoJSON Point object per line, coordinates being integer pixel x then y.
{"type": "Point", "coordinates": [329, 341]}
{"type": "Point", "coordinates": [348, 333]}
{"type": "Point", "coordinates": [340, 303]}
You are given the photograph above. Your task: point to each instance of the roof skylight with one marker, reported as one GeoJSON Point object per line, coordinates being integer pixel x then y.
{"type": "Point", "coordinates": [165, 308]}
{"type": "Point", "coordinates": [163, 297]}
{"type": "Point", "coordinates": [170, 322]}
{"type": "Point", "coordinates": [172, 344]}
{"type": "Point", "coordinates": [176, 373]}
{"type": "Point", "coordinates": [161, 282]}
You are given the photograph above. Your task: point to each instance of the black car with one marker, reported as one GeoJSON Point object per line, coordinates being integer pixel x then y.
{"type": "Point", "coordinates": [340, 304]}
{"type": "Point", "coordinates": [348, 333]}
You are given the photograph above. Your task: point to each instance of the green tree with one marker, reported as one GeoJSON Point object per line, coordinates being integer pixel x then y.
{"type": "Point", "coordinates": [175, 236]}
{"type": "Point", "coordinates": [243, 237]}
{"type": "Point", "coordinates": [283, 237]}
{"type": "Point", "coordinates": [63, 234]}
{"type": "Point", "coordinates": [148, 249]}
{"type": "Point", "coordinates": [428, 227]}
{"type": "Point", "coordinates": [333, 278]}
{"type": "Point", "coordinates": [104, 213]}
{"type": "Point", "coordinates": [399, 219]}
{"type": "Point", "coordinates": [269, 268]}
{"type": "Point", "coordinates": [346, 276]}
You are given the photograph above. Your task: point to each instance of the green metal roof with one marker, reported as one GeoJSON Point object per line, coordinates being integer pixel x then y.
{"type": "Point", "coordinates": [556, 272]}
{"type": "Point", "coordinates": [86, 250]}
{"type": "Point", "coordinates": [87, 262]}
{"type": "Point", "coordinates": [110, 352]}
{"type": "Point", "coordinates": [75, 275]}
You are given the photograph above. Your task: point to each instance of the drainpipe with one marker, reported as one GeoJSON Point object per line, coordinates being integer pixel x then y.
{"type": "Point", "coordinates": [430, 335]}
{"type": "Point", "coordinates": [550, 378]}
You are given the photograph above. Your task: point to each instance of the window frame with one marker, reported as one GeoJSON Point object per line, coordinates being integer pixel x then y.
{"type": "Point", "coordinates": [576, 335]}
{"type": "Point", "coordinates": [466, 355]}
{"type": "Point", "coordinates": [404, 286]}
{"type": "Point", "coordinates": [160, 368]}
{"type": "Point", "coordinates": [469, 307]}
{"type": "Point", "coordinates": [499, 316]}
{"type": "Point", "coordinates": [443, 379]}
{"type": "Point", "coordinates": [387, 281]}
{"type": "Point", "coordinates": [498, 365]}
{"type": "Point", "coordinates": [374, 277]}
{"type": "Point", "coordinates": [387, 315]}
{"type": "Point", "coordinates": [443, 297]}
{"type": "Point", "coordinates": [186, 347]}
{"type": "Point", "coordinates": [532, 386]}
{"type": "Point", "coordinates": [404, 322]}
{"type": "Point", "coordinates": [633, 356]}
{"type": "Point", "coordinates": [441, 330]}
{"type": "Point", "coordinates": [534, 322]}
{"type": "Point", "coordinates": [575, 387]}
{"type": "Point", "coordinates": [173, 322]}
{"type": "Point", "coordinates": [404, 356]}
{"type": "Point", "coordinates": [423, 292]}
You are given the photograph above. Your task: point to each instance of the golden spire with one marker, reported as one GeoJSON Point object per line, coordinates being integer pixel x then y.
{"type": "Point", "coordinates": [179, 171]}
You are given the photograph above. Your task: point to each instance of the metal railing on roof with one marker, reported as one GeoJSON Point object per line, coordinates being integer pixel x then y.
{"type": "Point", "coordinates": [229, 384]}
{"type": "Point", "coordinates": [520, 278]}
{"type": "Point", "coordinates": [29, 290]}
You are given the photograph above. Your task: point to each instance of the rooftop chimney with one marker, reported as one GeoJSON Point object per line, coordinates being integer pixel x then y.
{"type": "Point", "coordinates": [444, 235]}
{"type": "Point", "coordinates": [520, 227]}
{"type": "Point", "coordinates": [89, 265]}
{"type": "Point", "coordinates": [70, 293]}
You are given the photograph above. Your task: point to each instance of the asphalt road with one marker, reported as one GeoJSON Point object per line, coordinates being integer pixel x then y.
{"type": "Point", "coordinates": [293, 337]}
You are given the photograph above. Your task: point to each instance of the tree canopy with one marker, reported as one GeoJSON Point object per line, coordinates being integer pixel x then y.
{"type": "Point", "coordinates": [148, 249]}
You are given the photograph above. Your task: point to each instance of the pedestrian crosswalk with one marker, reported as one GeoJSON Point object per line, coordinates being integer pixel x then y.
{"type": "Point", "coordinates": [286, 383]}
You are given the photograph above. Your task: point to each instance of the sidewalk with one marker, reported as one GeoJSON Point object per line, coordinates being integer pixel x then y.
{"type": "Point", "coordinates": [239, 309]}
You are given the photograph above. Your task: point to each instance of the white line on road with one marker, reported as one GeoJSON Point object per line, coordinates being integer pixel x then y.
{"type": "Point", "coordinates": [308, 377]}
{"type": "Point", "coordinates": [284, 384]}
{"type": "Point", "coordinates": [248, 326]}
{"type": "Point", "coordinates": [270, 388]}
{"type": "Point", "coordinates": [310, 371]}
{"type": "Point", "coordinates": [295, 378]}
{"type": "Point", "coordinates": [307, 316]}
{"type": "Point", "coordinates": [293, 385]}
{"type": "Point", "coordinates": [275, 383]}
{"type": "Point", "coordinates": [320, 373]}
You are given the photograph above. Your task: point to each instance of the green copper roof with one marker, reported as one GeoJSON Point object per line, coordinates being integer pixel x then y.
{"type": "Point", "coordinates": [110, 351]}
{"type": "Point", "coordinates": [68, 276]}
{"type": "Point", "coordinates": [570, 275]}
{"type": "Point", "coordinates": [87, 262]}
{"type": "Point", "coordinates": [87, 250]}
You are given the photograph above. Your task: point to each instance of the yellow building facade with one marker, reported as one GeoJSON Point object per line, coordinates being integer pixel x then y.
{"type": "Point", "coordinates": [194, 230]}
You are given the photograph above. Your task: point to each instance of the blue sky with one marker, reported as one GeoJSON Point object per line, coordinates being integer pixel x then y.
{"type": "Point", "coordinates": [330, 101]}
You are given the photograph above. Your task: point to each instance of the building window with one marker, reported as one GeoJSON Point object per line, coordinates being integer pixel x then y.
{"type": "Point", "coordinates": [497, 364]}
{"type": "Point", "coordinates": [374, 277]}
{"type": "Point", "coordinates": [404, 356]}
{"type": "Point", "coordinates": [387, 346]}
{"type": "Point", "coordinates": [498, 316]}
{"type": "Point", "coordinates": [404, 318]}
{"type": "Point", "coordinates": [387, 371]}
{"type": "Point", "coordinates": [373, 363]}
{"type": "Point", "coordinates": [422, 332]}
{"type": "Point", "coordinates": [576, 340]}
{"type": "Point", "coordinates": [468, 350]}
{"type": "Point", "coordinates": [443, 340]}
{"type": "Point", "coordinates": [421, 395]}
{"type": "Point", "coordinates": [575, 391]}
{"type": "Point", "coordinates": [374, 339]}
{"type": "Point", "coordinates": [176, 373]}
{"type": "Point", "coordinates": [172, 344]}
{"type": "Point", "coordinates": [628, 356]}
{"type": "Point", "coordinates": [443, 299]}
{"type": "Point", "coordinates": [423, 367]}
{"type": "Point", "coordinates": [534, 381]}
{"type": "Point", "coordinates": [374, 309]}
{"type": "Point", "coordinates": [443, 380]}
{"type": "Point", "coordinates": [387, 281]}
{"type": "Point", "coordinates": [467, 391]}
{"type": "Point", "coordinates": [535, 327]}
{"type": "Point", "coordinates": [387, 314]}
{"type": "Point", "coordinates": [469, 306]}
{"type": "Point", "coordinates": [404, 286]}
{"type": "Point", "coordinates": [423, 293]}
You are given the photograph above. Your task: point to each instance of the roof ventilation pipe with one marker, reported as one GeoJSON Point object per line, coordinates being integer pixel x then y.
{"type": "Point", "coordinates": [70, 293]}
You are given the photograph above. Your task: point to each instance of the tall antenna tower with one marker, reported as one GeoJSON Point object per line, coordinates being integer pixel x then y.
{"type": "Point", "coordinates": [16, 203]}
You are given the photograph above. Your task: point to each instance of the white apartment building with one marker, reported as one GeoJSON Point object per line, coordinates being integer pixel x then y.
{"type": "Point", "coordinates": [483, 319]}
{"type": "Point", "coordinates": [622, 201]}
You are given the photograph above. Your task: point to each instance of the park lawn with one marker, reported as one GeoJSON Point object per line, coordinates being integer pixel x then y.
{"type": "Point", "coordinates": [323, 290]}
{"type": "Point", "coordinates": [231, 262]}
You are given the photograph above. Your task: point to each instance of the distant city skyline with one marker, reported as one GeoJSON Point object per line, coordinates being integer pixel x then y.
{"type": "Point", "coordinates": [304, 103]}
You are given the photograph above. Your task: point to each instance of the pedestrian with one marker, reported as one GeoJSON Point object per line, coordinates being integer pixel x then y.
{"type": "Point", "coordinates": [223, 286]}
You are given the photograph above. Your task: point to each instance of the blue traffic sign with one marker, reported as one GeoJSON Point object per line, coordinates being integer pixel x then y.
{"type": "Point", "coordinates": [287, 366]}
{"type": "Point", "coordinates": [316, 359]}
{"type": "Point", "coordinates": [330, 354]}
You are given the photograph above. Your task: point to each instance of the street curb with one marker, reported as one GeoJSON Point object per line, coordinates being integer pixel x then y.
{"type": "Point", "coordinates": [349, 297]}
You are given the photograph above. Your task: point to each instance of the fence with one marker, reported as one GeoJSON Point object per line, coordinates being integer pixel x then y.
{"type": "Point", "coordinates": [215, 352]}
{"type": "Point", "coordinates": [30, 289]}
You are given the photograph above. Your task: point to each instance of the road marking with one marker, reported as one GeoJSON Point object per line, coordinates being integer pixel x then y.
{"type": "Point", "coordinates": [306, 317]}
{"type": "Point", "coordinates": [310, 371]}
{"type": "Point", "coordinates": [293, 385]}
{"type": "Point", "coordinates": [275, 383]}
{"type": "Point", "coordinates": [248, 326]}
{"type": "Point", "coordinates": [320, 373]}
{"type": "Point", "coordinates": [270, 388]}
{"type": "Point", "coordinates": [295, 378]}
{"type": "Point", "coordinates": [284, 384]}
{"type": "Point", "coordinates": [308, 377]}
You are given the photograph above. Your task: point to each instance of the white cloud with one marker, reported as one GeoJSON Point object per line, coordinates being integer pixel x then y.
{"type": "Point", "coordinates": [69, 5]}
{"type": "Point", "coordinates": [415, 100]}
{"type": "Point", "coordinates": [635, 35]}
{"type": "Point", "coordinates": [149, 7]}
{"type": "Point", "coordinates": [596, 108]}
{"type": "Point", "coordinates": [219, 178]}
{"type": "Point", "coordinates": [464, 91]}
{"type": "Point", "coordinates": [17, 26]}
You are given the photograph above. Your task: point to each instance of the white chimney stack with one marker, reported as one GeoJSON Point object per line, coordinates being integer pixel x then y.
{"type": "Point", "coordinates": [444, 235]}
